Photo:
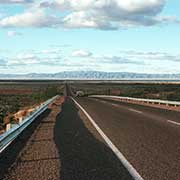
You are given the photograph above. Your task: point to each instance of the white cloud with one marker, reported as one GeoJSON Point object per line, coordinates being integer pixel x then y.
{"type": "Point", "coordinates": [128, 57]}
{"type": "Point", "coordinates": [109, 14]}
{"type": "Point", "coordinates": [125, 60]}
{"type": "Point", "coordinates": [13, 33]}
{"type": "Point", "coordinates": [35, 58]}
{"type": "Point", "coordinates": [118, 59]}
{"type": "Point", "coordinates": [81, 53]}
{"type": "Point", "coordinates": [26, 58]}
{"type": "Point", "coordinates": [33, 18]}
{"type": "Point", "coordinates": [97, 14]}
{"type": "Point", "coordinates": [82, 19]}
{"type": "Point", "coordinates": [124, 6]}
{"type": "Point", "coordinates": [149, 56]}
{"type": "Point", "coordinates": [105, 59]}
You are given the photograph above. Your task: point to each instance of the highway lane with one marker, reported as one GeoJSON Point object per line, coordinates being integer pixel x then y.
{"type": "Point", "coordinates": [148, 137]}
{"type": "Point", "coordinates": [152, 112]}
{"type": "Point", "coordinates": [62, 145]}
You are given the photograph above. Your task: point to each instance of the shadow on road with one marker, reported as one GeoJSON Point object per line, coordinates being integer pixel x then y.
{"type": "Point", "coordinates": [10, 155]}
{"type": "Point", "coordinates": [82, 156]}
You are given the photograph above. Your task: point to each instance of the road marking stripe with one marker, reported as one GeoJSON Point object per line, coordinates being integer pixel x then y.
{"type": "Point", "coordinates": [134, 110]}
{"type": "Point", "coordinates": [120, 156]}
{"type": "Point", "coordinates": [173, 122]}
{"type": "Point", "coordinates": [105, 102]}
{"type": "Point", "coordinates": [115, 105]}
{"type": "Point", "coordinates": [5, 146]}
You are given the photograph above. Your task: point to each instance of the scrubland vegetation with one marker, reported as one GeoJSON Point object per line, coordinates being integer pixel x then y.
{"type": "Point", "coordinates": [140, 90]}
{"type": "Point", "coordinates": [16, 97]}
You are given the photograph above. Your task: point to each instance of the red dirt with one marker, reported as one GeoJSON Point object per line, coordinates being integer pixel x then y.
{"type": "Point", "coordinates": [56, 102]}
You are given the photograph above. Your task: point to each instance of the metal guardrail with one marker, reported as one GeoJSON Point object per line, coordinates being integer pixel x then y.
{"type": "Point", "coordinates": [7, 137]}
{"type": "Point", "coordinates": [152, 101]}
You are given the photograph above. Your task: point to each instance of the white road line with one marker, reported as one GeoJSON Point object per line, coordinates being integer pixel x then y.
{"type": "Point", "coordinates": [134, 110]}
{"type": "Point", "coordinates": [120, 156]}
{"type": "Point", "coordinates": [173, 122]}
{"type": "Point", "coordinates": [105, 102]}
{"type": "Point", "coordinates": [5, 147]}
{"type": "Point", "coordinates": [115, 105]}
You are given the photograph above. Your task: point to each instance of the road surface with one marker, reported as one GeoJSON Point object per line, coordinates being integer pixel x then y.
{"type": "Point", "coordinates": [148, 137]}
{"type": "Point", "coordinates": [61, 145]}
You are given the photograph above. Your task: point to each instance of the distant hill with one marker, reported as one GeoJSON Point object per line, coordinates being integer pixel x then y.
{"type": "Point", "coordinates": [90, 75]}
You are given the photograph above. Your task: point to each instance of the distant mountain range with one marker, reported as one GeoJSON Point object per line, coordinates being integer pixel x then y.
{"type": "Point", "coordinates": [90, 75]}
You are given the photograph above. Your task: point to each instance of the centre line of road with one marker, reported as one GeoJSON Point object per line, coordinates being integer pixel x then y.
{"type": "Point", "coordinates": [173, 122]}
{"type": "Point", "coordinates": [134, 110]}
{"type": "Point", "coordinates": [112, 104]}
{"type": "Point", "coordinates": [116, 151]}
{"type": "Point", "coordinates": [115, 105]}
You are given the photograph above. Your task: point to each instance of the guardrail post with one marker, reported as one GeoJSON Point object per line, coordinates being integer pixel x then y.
{"type": "Point", "coordinates": [8, 126]}
{"type": "Point", "coordinates": [20, 120]}
{"type": "Point", "coordinates": [139, 100]}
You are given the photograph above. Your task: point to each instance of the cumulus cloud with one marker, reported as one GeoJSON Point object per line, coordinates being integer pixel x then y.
{"type": "Point", "coordinates": [96, 14]}
{"type": "Point", "coordinates": [111, 14]}
{"type": "Point", "coordinates": [81, 53]}
{"type": "Point", "coordinates": [126, 60]}
{"type": "Point", "coordinates": [128, 6]}
{"type": "Point", "coordinates": [128, 57]}
{"type": "Point", "coordinates": [33, 18]}
{"type": "Point", "coordinates": [35, 58]}
{"type": "Point", "coordinates": [25, 58]}
{"type": "Point", "coordinates": [105, 59]}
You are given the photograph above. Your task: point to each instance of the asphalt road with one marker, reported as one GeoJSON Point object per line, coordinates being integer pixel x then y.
{"type": "Point", "coordinates": [61, 145]}
{"type": "Point", "coordinates": [148, 137]}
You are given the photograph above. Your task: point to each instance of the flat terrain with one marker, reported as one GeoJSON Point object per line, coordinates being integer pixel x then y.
{"type": "Point", "coordinates": [153, 90]}
{"type": "Point", "coordinates": [63, 144]}
{"type": "Point", "coordinates": [15, 96]}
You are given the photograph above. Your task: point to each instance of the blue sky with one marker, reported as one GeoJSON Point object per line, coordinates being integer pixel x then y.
{"type": "Point", "coordinates": [106, 35]}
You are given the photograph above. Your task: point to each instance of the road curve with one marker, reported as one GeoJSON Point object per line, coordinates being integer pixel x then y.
{"type": "Point", "coordinates": [148, 137]}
